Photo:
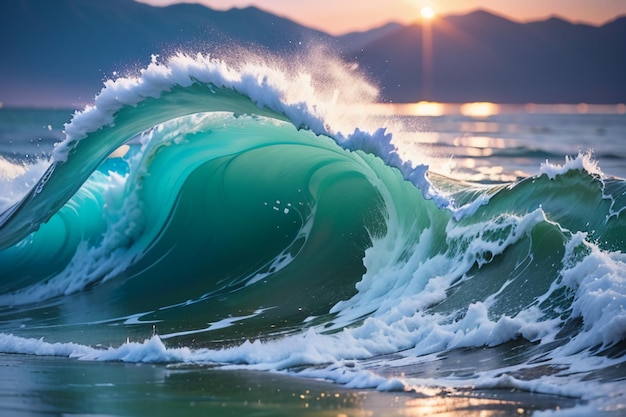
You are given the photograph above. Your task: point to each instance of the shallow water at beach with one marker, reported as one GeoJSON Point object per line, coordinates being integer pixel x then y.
{"type": "Point", "coordinates": [33, 386]}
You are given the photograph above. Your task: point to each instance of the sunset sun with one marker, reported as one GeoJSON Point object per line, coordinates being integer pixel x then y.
{"type": "Point", "coordinates": [427, 12]}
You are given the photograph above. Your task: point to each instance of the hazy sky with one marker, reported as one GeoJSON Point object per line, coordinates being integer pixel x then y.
{"type": "Point", "coordinates": [341, 16]}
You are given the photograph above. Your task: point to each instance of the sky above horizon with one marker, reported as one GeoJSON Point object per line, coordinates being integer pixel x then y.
{"type": "Point", "coordinates": [342, 16]}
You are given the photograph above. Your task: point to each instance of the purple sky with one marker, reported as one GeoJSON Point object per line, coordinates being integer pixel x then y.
{"type": "Point", "coordinates": [341, 16]}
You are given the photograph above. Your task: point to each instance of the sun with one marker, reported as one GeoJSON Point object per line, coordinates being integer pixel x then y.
{"type": "Point", "coordinates": [427, 12]}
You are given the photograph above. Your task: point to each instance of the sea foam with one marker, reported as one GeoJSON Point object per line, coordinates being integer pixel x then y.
{"type": "Point", "coordinates": [319, 100]}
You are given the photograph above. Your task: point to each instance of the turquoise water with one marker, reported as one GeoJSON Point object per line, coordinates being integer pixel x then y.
{"type": "Point", "coordinates": [202, 214]}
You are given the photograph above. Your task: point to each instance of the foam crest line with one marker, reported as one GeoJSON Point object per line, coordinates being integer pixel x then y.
{"type": "Point", "coordinates": [183, 86]}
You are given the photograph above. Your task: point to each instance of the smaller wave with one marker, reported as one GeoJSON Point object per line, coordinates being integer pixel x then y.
{"type": "Point", "coordinates": [582, 162]}
{"type": "Point", "coordinates": [16, 178]}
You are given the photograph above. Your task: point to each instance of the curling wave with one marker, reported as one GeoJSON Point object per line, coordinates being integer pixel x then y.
{"type": "Point", "coordinates": [230, 210]}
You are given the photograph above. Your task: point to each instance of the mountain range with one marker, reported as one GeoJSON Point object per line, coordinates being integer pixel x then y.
{"type": "Point", "coordinates": [59, 52]}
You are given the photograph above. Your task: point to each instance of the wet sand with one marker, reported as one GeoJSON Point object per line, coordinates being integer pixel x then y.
{"type": "Point", "coordinates": [48, 386]}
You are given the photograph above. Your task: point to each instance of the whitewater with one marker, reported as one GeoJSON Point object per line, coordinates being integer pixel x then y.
{"type": "Point", "coordinates": [251, 214]}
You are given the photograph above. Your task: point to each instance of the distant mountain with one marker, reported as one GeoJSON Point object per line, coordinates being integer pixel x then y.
{"type": "Point", "coordinates": [60, 51]}
{"type": "Point", "coordinates": [354, 41]}
{"type": "Point", "coordinates": [484, 57]}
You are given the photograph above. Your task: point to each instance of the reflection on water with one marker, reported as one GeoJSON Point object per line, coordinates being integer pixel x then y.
{"type": "Point", "coordinates": [449, 407]}
{"type": "Point", "coordinates": [479, 110]}
{"type": "Point", "coordinates": [482, 141]}
{"type": "Point", "coordinates": [33, 385]}
{"type": "Point", "coordinates": [488, 142]}
{"type": "Point", "coordinates": [485, 109]}
{"type": "Point", "coordinates": [422, 108]}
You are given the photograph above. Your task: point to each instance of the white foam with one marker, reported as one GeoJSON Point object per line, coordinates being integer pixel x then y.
{"type": "Point", "coordinates": [422, 280]}
{"type": "Point", "coordinates": [267, 82]}
{"type": "Point", "coordinates": [599, 282]}
{"type": "Point", "coordinates": [582, 162]}
{"type": "Point", "coordinates": [16, 178]}
{"type": "Point", "coordinates": [15, 344]}
{"type": "Point", "coordinates": [320, 98]}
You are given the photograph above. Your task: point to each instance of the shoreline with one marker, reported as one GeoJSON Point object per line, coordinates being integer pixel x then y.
{"type": "Point", "coordinates": [44, 386]}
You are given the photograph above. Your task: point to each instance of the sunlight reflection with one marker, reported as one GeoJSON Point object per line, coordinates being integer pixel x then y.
{"type": "Point", "coordinates": [442, 405]}
{"type": "Point", "coordinates": [450, 407]}
{"type": "Point", "coordinates": [119, 152]}
{"type": "Point", "coordinates": [425, 108]}
{"type": "Point", "coordinates": [480, 127]}
{"type": "Point", "coordinates": [480, 142]}
{"type": "Point", "coordinates": [480, 109]}
{"type": "Point", "coordinates": [470, 170]}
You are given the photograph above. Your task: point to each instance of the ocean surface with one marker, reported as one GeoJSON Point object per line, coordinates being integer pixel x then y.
{"type": "Point", "coordinates": [258, 237]}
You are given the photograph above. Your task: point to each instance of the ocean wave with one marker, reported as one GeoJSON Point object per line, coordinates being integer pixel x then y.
{"type": "Point", "coordinates": [224, 206]}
